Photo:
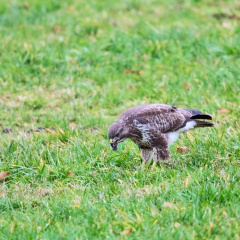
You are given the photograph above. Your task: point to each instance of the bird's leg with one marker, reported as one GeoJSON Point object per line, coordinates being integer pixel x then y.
{"type": "Point", "coordinates": [143, 164]}
{"type": "Point", "coordinates": [146, 155]}
{"type": "Point", "coordinates": [160, 155]}
{"type": "Point", "coordinates": [153, 165]}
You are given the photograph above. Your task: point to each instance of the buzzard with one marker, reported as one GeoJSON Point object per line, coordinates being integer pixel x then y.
{"type": "Point", "coordinates": [153, 127]}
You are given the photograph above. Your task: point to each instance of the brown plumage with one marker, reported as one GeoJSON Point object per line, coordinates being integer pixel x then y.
{"type": "Point", "coordinates": [153, 127]}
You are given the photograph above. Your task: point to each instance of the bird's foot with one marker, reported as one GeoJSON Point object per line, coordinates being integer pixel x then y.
{"type": "Point", "coordinates": [167, 163]}
{"type": "Point", "coordinates": [141, 166]}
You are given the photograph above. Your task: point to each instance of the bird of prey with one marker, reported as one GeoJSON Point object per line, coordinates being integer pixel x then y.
{"type": "Point", "coordinates": [153, 127]}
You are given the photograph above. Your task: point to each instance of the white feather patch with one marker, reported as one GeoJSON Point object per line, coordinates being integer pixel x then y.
{"type": "Point", "coordinates": [189, 125]}
{"type": "Point", "coordinates": [173, 136]}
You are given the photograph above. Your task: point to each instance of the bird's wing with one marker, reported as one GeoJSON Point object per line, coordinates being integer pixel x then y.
{"type": "Point", "coordinates": [161, 117]}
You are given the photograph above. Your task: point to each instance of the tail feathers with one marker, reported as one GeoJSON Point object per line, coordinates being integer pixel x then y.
{"type": "Point", "coordinates": [201, 116]}
{"type": "Point", "coordinates": [203, 124]}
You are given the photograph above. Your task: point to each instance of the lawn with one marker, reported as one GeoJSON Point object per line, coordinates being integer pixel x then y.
{"type": "Point", "coordinates": [67, 71]}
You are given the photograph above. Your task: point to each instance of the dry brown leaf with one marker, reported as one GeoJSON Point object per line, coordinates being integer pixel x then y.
{"type": "Point", "coordinates": [71, 174]}
{"type": "Point", "coordinates": [187, 85]}
{"type": "Point", "coordinates": [56, 29]}
{"type": "Point", "coordinates": [126, 232]}
{"type": "Point", "coordinates": [56, 107]}
{"type": "Point", "coordinates": [129, 71]}
{"type": "Point", "coordinates": [4, 98]}
{"type": "Point", "coordinates": [223, 110]}
{"type": "Point", "coordinates": [72, 125]}
{"type": "Point", "coordinates": [4, 176]}
{"type": "Point", "coordinates": [183, 149]}
{"type": "Point", "coordinates": [2, 194]}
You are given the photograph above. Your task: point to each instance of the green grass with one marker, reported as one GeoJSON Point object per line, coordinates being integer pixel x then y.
{"type": "Point", "coordinates": [71, 67]}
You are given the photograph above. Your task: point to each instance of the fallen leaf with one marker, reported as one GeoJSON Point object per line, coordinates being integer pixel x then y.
{"type": "Point", "coordinates": [71, 174]}
{"type": "Point", "coordinates": [2, 194]}
{"type": "Point", "coordinates": [186, 85]}
{"type": "Point", "coordinates": [129, 71]}
{"type": "Point", "coordinates": [182, 149]}
{"type": "Point", "coordinates": [56, 107]}
{"type": "Point", "coordinates": [72, 125]}
{"type": "Point", "coordinates": [4, 176]}
{"type": "Point", "coordinates": [56, 29]}
{"type": "Point", "coordinates": [223, 110]}
{"type": "Point", "coordinates": [126, 232]}
{"type": "Point", "coordinates": [4, 98]}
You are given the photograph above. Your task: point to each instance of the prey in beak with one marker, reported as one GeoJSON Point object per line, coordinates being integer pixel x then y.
{"type": "Point", "coordinates": [114, 144]}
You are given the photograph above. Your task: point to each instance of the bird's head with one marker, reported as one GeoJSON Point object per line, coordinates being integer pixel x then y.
{"type": "Point", "coordinates": [117, 133]}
